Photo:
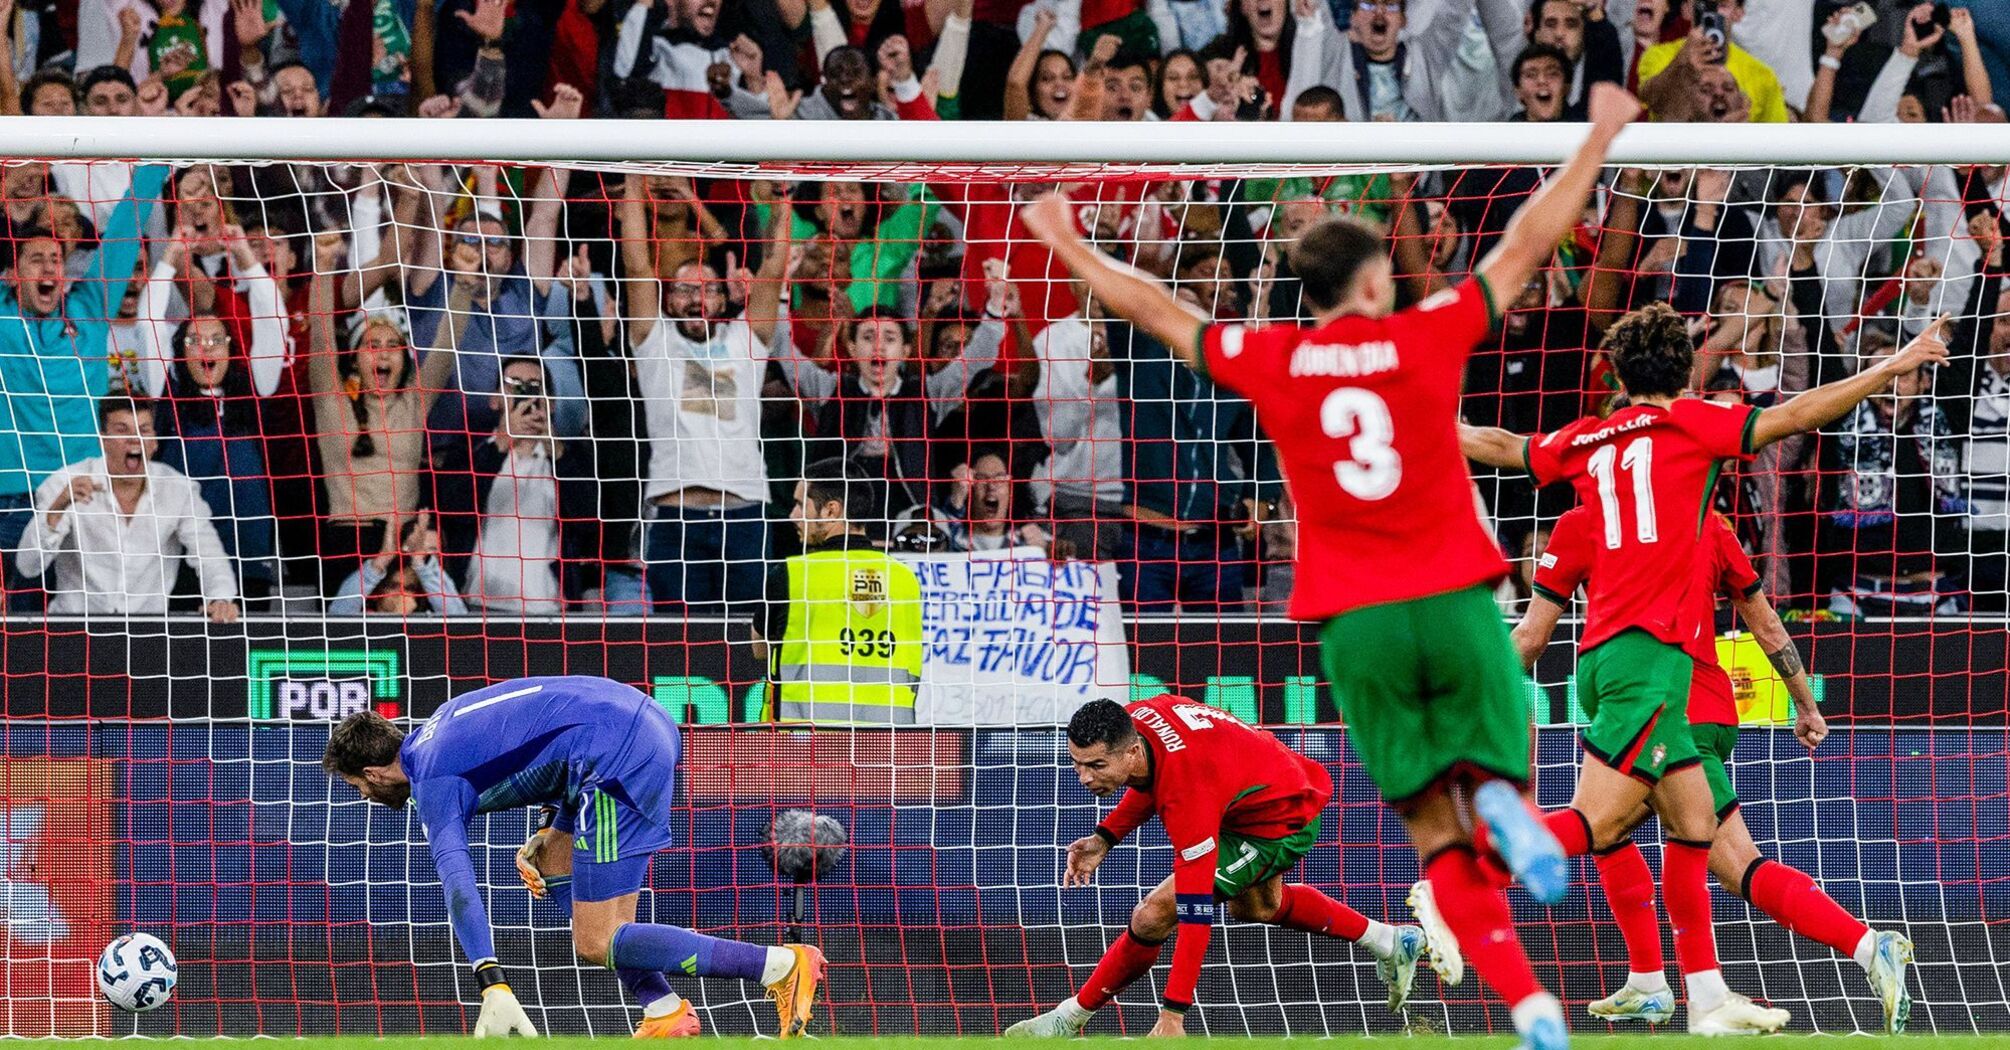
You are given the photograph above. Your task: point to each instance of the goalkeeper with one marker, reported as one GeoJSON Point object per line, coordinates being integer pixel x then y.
{"type": "Point", "coordinates": [603, 757]}
{"type": "Point", "coordinates": [1241, 810]}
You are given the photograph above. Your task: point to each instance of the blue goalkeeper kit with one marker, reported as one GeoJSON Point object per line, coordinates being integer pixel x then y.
{"type": "Point", "coordinates": [604, 753]}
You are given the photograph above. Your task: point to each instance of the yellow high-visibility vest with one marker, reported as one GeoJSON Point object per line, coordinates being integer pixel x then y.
{"type": "Point", "coordinates": [851, 653]}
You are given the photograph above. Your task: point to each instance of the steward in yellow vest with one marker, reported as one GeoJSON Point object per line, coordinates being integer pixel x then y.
{"type": "Point", "coordinates": [842, 632]}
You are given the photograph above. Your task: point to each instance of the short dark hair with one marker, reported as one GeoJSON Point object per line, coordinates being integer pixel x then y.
{"type": "Point", "coordinates": [1102, 722]}
{"type": "Point", "coordinates": [292, 63]}
{"type": "Point", "coordinates": [1651, 351]}
{"type": "Point", "coordinates": [106, 74]}
{"type": "Point", "coordinates": [43, 78]}
{"type": "Point", "coordinates": [1536, 52]}
{"type": "Point", "coordinates": [831, 481]}
{"type": "Point", "coordinates": [1128, 58]}
{"type": "Point", "coordinates": [1331, 255]}
{"type": "Point", "coordinates": [1535, 9]}
{"type": "Point", "coordinates": [363, 740]}
{"type": "Point", "coordinates": [1321, 95]}
{"type": "Point", "coordinates": [111, 406]}
{"type": "Point", "coordinates": [881, 313]}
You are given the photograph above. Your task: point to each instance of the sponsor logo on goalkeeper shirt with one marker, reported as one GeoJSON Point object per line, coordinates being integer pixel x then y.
{"type": "Point", "coordinates": [1345, 361]}
{"type": "Point", "coordinates": [323, 684]}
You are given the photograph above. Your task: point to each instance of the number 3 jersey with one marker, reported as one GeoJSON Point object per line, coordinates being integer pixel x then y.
{"type": "Point", "coordinates": [1364, 414]}
{"type": "Point", "coordinates": [1645, 475]}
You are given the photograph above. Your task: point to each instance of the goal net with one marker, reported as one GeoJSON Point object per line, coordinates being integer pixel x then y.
{"type": "Point", "coordinates": [406, 429]}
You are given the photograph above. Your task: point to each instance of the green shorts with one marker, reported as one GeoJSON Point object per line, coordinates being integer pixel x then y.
{"type": "Point", "coordinates": [1714, 744]}
{"type": "Point", "coordinates": [1635, 687]}
{"type": "Point", "coordinates": [1429, 688]}
{"type": "Point", "coordinates": [1244, 862]}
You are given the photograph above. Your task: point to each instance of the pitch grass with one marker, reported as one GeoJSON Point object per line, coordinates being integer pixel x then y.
{"type": "Point", "coordinates": [1341, 1042]}
{"type": "Point", "coordinates": [1919, 1041]}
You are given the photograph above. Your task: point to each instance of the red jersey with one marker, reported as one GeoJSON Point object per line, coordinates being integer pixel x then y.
{"type": "Point", "coordinates": [1724, 569]}
{"type": "Point", "coordinates": [1644, 474]}
{"type": "Point", "coordinates": [1363, 412]}
{"type": "Point", "coordinates": [1211, 773]}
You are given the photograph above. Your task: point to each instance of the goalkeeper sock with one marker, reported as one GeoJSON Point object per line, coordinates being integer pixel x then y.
{"type": "Point", "coordinates": [1629, 891]}
{"type": "Point", "coordinates": [1304, 908]}
{"type": "Point", "coordinates": [1128, 957]}
{"type": "Point", "coordinates": [650, 989]}
{"type": "Point", "coordinates": [1572, 831]}
{"type": "Point", "coordinates": [1477, 912]}
{"type": "Point", "coordinates": [649, 946]}
{"type": "Point", "coordinates": [1794, 901]}
{"type": "Point", "coordinates": [1684, 868]}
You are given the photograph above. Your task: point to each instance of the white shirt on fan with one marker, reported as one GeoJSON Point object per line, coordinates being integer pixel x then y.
{"type": "Point", "coordinates": [109, 562]}
{"type": "Point", "coordinates": [702, 405]}
{"type": "Point", "coordinates": [515, 564]}
{"type": "Point", "coordinates": [1079, 419]}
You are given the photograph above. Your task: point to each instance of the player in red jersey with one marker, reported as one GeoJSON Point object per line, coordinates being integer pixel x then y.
{"type": "Point", "coordinates": [1645, 473]}
{"type": "Point", "coordinates": [1393, 558]}
{"type": "Point", "coordinates": [1788, 895]}
{"type": "Point", "coordinates": [1241, 810]}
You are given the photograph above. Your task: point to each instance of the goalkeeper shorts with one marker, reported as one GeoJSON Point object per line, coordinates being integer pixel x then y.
{"type": "Point", "coordinates": [623, 813]}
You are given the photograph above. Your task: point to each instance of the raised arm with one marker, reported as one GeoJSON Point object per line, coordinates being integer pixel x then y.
{"type": "Point", "coordinates": [1128, 292]}
{"type": "Point", "coordinates": [322, 375]}
{"type": "Point", "coordinates": [269, 353]}
{"type": "Point", "coordinates": [1018, 101]}
{"type": "Point", "coordinates": [157, 332]}
{"type": "Point", "coordinates": [1612, 269]}
{"type": "Point", "coordinates": [1825, 404]}
{"type": "Point", "coordinates": [643, 299]}
{"type": "Point", "coordinates": [1532, 235]}
{"type": "Point", "coordinates": [540, 228]}
{"type": "Point", "coordinates": [111, 267]}
{"type": "Point", "coordinates": [1974, 74]}
{"type": "Point", "coordinates": [1493, 446]}
{"type": "Point", "coordinates": [764, 299]}
{"type": "Point", "coordinates": [1763, 621]}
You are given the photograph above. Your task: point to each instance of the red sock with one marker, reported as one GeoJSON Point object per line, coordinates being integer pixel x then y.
{"type": "Point", "coordinates": [1794, 901]}
{"type": "Point", "coordinates": [1572, 831]}
{"type": "Point", "coordinates": [1307, 909]}
{"type": "Point", "coordinates": [1478, 915]}
{"type": "Point", "coordinates": [1684, 867]}
{"type": "Point", "coordinates": [1126, 959]}
{"type": "Point", "coordinates": [1629, 890]}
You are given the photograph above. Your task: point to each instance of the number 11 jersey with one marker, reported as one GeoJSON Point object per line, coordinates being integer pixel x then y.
{"type": "Point", "coordinates": [1364, 412]}
{"type": "Point", "coordinates": [1645, 474]}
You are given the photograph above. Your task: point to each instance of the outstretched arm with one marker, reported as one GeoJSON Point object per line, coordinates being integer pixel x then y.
{"type": "Point", "coordinates": [1128, 292]}
{"type": "Point", "coordinates": [1825, 404]}
{"type": "Point", "coordinates": [1531, 236]}
{"type": "Point", "coordinates": [1493, 447]}
{"type": "Point", "coordinates": [764, 299]}
{"type": "Point", "coordinates": [1763, 620]}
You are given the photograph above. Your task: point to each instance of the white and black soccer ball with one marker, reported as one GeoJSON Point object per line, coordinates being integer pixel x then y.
{"type": "Point", "coordinates": [137, 973]}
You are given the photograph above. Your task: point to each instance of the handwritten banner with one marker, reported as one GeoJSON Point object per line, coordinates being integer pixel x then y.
{"type": "Point", "coordinates": [1015, 639]}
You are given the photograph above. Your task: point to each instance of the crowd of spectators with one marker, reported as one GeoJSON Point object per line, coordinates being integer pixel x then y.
{"type": "Point", "coordinates": [523, 391]}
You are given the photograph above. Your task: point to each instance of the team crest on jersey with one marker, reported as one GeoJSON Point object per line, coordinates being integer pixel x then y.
{"type": "Point", "coordinates": [1660, 753]}
{"type": "Point", "coordinates": [868, 590]}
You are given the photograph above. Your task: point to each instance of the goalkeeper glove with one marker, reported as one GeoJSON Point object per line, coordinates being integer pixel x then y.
{"type": "Point", "coordinates": [526, 863]}
{"type": "Point", "coordinates": [501, 1014]}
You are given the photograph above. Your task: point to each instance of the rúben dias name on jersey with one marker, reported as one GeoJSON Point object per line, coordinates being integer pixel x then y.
{"type": "Point", "coordinates": [1314, 359]}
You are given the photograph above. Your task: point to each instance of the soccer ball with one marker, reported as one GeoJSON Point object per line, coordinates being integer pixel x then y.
{"type": "Point", "coordinates": [137, 972]}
